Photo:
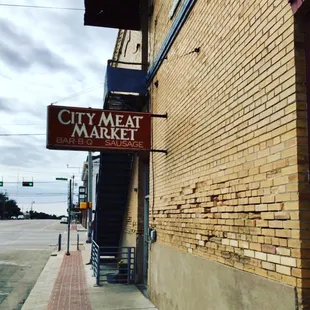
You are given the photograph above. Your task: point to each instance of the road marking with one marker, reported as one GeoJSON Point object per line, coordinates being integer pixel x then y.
{"type": "Point", "coordinates": [49, 226]}
{"type": "Point", "coordinates": [4, 262]}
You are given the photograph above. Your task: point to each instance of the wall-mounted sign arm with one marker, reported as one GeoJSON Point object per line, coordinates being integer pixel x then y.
{"type": "Point", "coordinates": [112, 61]}
{"type": "Point", "coordinates": [159, 151]}
{"type": "Point", "coordinates": [160, 115]}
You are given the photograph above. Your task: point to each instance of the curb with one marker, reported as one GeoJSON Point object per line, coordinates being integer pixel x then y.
{"type": "Point", "coordinates": [40, 294]}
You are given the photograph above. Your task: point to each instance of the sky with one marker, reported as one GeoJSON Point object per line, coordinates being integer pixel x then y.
{"type": "Point", "coordinates": [46, 56]}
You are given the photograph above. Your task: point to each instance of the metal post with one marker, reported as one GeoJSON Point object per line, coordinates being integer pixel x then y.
{"type": "Point", "coordinates": [146, 238]}
{"type": "Point", "coordinates": [59, 242]}
{"type": "Point", "coordinates": [128, 264]}
{"type": "Point", "coordinates": [77, 242]}
{"type": "Point", "coordinates": [89, 195]}
{"type": "Point", "coordinates": [69, 216]}
{"type": "Point", "coordinates": [147, 108]}
{"type": "Point", "coordinates": [72, 192]}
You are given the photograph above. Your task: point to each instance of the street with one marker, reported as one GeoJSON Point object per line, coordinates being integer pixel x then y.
{"type": "Point", "coordinates": [25, 246]}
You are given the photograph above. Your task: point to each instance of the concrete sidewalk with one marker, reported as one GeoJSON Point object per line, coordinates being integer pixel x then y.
{"type": "Point", "coordinates": [67, 283]}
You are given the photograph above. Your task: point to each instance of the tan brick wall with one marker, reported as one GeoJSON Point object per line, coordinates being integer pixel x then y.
{"type": "Point", "coordinates": [128, 47]}
{"type": "Point", "coordinates": [228, 189]}
{"type": "Point", "coordinates": [233, 187]}
{"type": "Point", "coordinates": [130, 222]}
{"type": "Point", "coordinates": [159, 25]}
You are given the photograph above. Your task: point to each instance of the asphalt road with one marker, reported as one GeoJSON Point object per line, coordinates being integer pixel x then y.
{"type": "Point", "coordinates": [25, 247]}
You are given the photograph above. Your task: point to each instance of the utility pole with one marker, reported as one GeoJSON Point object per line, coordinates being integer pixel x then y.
{"type": "Point", "coordinates": [89, 196]}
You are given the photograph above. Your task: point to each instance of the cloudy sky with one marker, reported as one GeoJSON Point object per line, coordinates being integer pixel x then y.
{"type": "Point", "coordinates": [45, 56]}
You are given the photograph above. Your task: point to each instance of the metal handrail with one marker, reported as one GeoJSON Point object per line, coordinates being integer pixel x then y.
{"type": "Point", "coordinates": [95, 259]}
{"type": "Point", "coordinates": [126, 273]}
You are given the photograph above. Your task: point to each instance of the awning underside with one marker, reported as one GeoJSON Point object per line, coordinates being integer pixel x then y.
{"type": "Point", "coordinates": [121, 14]}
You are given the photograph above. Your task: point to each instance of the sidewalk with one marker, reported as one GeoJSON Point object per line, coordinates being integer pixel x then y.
{"type": "Point", "coordinates": [66, 283]}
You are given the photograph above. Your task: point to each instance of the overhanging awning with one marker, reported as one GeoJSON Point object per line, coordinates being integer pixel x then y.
{"type": "Point", "coordinates": [125, 86]}
{"type": "Point", "coordinates": [121, 14]}
{"type": "Point", "coordinates": [125, 79]}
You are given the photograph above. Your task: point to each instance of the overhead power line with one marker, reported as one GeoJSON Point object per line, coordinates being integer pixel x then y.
{"type": "Point", "coordinates": [40, 7]}
{"type": "Point", "coordinates": [22, 124]}
{"type": "Point", "coordinates": [21, 134]}
{"type": "Point", "coordinates": [85, 91]}
{"type": "Point", "coordinates": [43, 203]}
{"type": "Point", "coordinates": [43, 194]}
{"type": "Point", "coordinates": [21, 172]}
{"type": "Point", "coordinates": [37, 182]}
{"type": "Point", "coordinates": [36, 196]}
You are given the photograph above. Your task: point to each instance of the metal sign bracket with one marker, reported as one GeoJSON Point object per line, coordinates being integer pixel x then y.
{"type": "Point", "coordinates": [160, 115]}
{"type": "Point", "coordinates": [159, 151]}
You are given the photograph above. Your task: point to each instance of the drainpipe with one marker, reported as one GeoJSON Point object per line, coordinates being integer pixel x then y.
{"type": "Point", "coordinates": [140, 257]}
{"type": "Point", "coordinates": [307, 55]}
{"type": "Point", "coordinates": [145, 33]}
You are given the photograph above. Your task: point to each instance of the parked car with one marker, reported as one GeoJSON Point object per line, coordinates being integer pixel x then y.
{"type": "Point", "coordinates": [64, 220]}
{"type": "Point", "coordinates": [21, 217]}
{"type": "Point", "coordinates": [13, 217]}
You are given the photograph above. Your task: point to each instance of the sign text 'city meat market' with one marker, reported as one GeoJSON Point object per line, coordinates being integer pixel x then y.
{"type": "Point", "coordinates": [72, 128]}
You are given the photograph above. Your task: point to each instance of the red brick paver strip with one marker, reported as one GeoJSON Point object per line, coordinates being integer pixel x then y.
{"type": "Point", "coordinates": [70, 289]}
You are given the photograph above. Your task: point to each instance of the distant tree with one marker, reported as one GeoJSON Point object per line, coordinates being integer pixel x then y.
{"type": "Point", "coordinates": [8, 207]}
{"type": "Point", "coordinates": [42, 216]}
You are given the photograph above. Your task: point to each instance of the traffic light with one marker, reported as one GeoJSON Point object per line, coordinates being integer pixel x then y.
{"type": "Point", "coordinates": [28, 184]}
{"type": "Point", "coordinates": [1, 183]}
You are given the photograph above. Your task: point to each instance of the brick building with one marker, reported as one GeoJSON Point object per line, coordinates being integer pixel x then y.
{"type": "Point", "coordinates": [230, 200]}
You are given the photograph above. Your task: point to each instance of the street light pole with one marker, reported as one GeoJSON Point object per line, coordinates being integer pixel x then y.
{"type": "Point", "coordinates": [31, 209]}
{"type": "Point", "coordinates": [89, 196]}
{"type": "Point", "coordinates": [72, 192]}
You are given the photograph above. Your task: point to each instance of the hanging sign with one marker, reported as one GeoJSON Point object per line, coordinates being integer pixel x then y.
{"type": "Point", "coordinates": [86, 129]}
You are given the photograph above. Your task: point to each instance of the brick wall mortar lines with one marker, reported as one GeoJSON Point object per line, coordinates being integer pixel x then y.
{"type": "Point", "coordinates": [130, 220]}
{"type": "Point", "coordinates": [229, 188]}
{"type": "Point", "coordinates": [259, 100]}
